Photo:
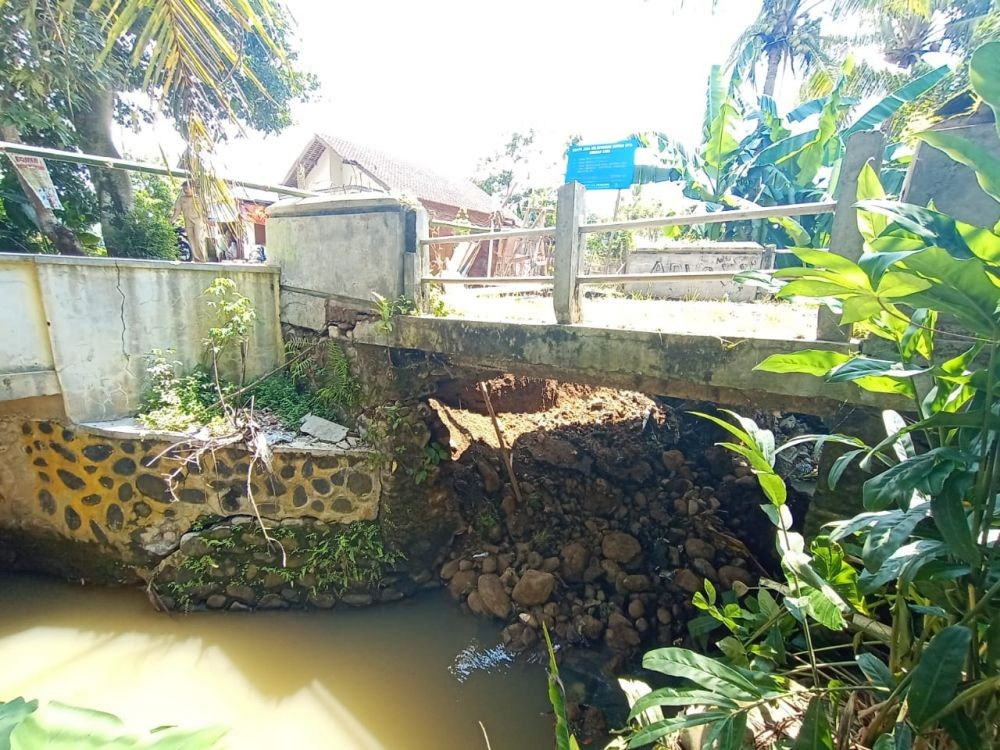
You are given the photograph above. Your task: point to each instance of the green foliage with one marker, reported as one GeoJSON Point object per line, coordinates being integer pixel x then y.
{"type": "Point", "coordinates": [916, 575]}
{"type": "Point", "coordinates": [18, 224]}
{"type": "Point", "coordinates": [351, 554]}
{"type": "Point", "coordinates": [434, 454]}
{"type": "Point", "coordinates": [236, 316]}
{"type": "Point", "coordinates": [485, 520]}
{"type": "Point", "coordinates": [58, 726]}
{"type": "Point", "coordinates": [770, 166]}
{"type": "Point", "coordinates": [557, 698]}
{"type": "Point", "coordinates": [387, 309]}
{"type": "Point", "coordinates": [288, 400]}
{"type": "Point", "coordinates": [335, 386]}
{"type": "Point", "coordinates": [179, 403]}
{"type": "Point", "coordinates": [436, 302]}
{"type": "Point", "coordinates": [147, 230]}
{"type": "Point", "coordinates": [235, 319]}
{"type": "Point", "coordinates": [318, 381]}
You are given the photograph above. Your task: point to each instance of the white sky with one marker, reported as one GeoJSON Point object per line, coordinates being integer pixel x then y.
{"type": "Point", "coordinates": [444, 82]}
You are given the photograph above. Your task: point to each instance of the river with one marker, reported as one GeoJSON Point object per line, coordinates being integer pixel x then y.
{"type": "Point", "coordinates": [413, 675]}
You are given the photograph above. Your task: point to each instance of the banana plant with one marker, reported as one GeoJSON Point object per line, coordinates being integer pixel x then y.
{"type": "Point", "coordinates": [758, 157]}
{"type": "Point", "coordinates": [916, 574]}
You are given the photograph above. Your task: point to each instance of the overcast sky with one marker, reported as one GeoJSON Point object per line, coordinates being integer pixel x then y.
{"type": "Point", "coordinates": [444, 82]}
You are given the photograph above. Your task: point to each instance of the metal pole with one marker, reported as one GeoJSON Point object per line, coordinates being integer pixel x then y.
{"type": "Point", "coordinates": [93, 160]}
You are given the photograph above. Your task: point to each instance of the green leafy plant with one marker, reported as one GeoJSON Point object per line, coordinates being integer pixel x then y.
{"type": "Point", "coordinates": [285, 398]}
{"type": "Point", "coordinates": [485, 520]}
{"type": "Point", "coordinates": [336, 387]}
{"type": "Point", "coordinates": [557, 698]}
{"type": "Point", "coordinates": [886, 631]}
{"type": "Point", "coordinates": [760, 157]}
{"type": "Point", "coordinates": [355, 553]}
{"type": "Point", "coordinates": [179, 403]}
{"type": "Point", "coordinates": [435, 299]}
{"type": "Point", "coordinates": [387, 309]}
{"type": "Point", "coordinates": [234, 325]}
{"type": "Point", "coordinates": [146, 230]}
{"type": "Point", "coordinates": [434, 454]}
{"type": "Point", "coordinates": [24, 725]}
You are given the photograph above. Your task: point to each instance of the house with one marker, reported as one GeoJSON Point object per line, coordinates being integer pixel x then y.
{"type": "Point", "coordinates": [329, 164]}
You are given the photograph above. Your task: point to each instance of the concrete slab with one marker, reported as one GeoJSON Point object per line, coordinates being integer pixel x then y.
{"type": "Point", "coordinates": [708, 368]}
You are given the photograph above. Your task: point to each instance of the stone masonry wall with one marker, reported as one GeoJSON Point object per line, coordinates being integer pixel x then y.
{"type": "Point", "coordinates": [86, 502]}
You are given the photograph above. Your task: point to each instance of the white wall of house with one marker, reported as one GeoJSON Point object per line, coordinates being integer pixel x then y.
{"type": "Point", "coordinates": [330, 171]}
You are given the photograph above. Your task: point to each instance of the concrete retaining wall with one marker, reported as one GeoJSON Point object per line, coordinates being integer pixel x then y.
{"type": "Point", "coordinates": [692, 257]}
{"type": "Point", "coordinates": [339, 249]}
{"type": "Point", "coordinates": [82, 327]}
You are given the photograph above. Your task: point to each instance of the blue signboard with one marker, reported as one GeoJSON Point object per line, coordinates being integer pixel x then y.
{"type": "Point", "coordinates": [602, 166]}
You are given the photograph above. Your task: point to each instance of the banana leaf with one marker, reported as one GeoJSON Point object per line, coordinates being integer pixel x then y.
{"type": "Point", "coordinates": [891, 104]}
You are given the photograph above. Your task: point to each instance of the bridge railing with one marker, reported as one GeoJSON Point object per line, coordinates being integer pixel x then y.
{"type": "Point", "coordinates": [570, 232]}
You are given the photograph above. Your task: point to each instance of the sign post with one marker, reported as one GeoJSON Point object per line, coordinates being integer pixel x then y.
{"type": "Point", "coordinates": [36, 176]}
{"type": "Point", "coordinates": [602, 166]}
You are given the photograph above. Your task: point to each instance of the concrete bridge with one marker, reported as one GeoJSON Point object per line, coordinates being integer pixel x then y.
{"type": "Point", "coordinates": [85, 495]}
{"type": "Point", "coordinates": [335, 253]}
{"type": "Point", "coordinates": [79, 329]}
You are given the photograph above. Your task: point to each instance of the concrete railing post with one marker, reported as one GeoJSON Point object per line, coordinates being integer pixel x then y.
{"type": "Point", "coordinates": [863, 147]}
{"type": "Point", "coordinates": [566, 296]}
{"type": "Point", "coordinates": [416, 258]}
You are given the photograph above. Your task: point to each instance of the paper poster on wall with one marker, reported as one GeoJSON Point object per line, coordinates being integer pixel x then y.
{"type": "Point", "coordinates": [36, 174]}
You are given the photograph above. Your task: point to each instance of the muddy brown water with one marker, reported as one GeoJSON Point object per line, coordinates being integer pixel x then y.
{"type": "Point", "coordinates": [417, 674]}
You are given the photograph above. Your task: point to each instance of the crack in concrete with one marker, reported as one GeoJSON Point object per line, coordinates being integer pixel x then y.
{"type": "Point", "coordinates": [118, 286]}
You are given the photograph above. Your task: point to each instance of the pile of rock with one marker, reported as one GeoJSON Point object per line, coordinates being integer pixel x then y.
{"type": "Point", "coordinates": [604, 549]}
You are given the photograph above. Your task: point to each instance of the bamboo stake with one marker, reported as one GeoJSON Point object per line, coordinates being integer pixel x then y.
{"type": "Point", "coordinates": [504, 451]}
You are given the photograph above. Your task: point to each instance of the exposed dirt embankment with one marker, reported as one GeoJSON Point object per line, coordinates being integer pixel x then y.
{"type": "Point", "coordinates": [626, 507]}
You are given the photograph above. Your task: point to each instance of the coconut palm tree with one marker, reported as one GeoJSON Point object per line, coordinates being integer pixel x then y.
{"type": "Point", "coordinates": [908, 30]}
{"type": "Point", "coordinates": [784, 34]}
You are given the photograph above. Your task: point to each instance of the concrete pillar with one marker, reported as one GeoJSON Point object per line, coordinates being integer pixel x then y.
{"type": "Point", "coordinates": [863, 147]}
{"type": "Point", "coordinates": [416, 258]}
{"type": "Point", "coordinates": [566, 296]}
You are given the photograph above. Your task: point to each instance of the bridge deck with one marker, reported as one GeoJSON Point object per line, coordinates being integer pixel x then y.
{"type": "Point", "coordinates": [778, 320]}
{"type": "Point", "coordinates": [717, 367]}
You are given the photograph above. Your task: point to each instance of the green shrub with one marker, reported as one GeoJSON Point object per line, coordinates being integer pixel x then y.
{"type": "Point", "coordinates": [178, 403]}
{"type": "Point", "coordinates": [289, 401]}
{"type": "Point", "coordinates": [147, 231]}
{"type": "Point", "coordinates": [888, 629]}
{"type": "Point", "coordinates": [25, 724]}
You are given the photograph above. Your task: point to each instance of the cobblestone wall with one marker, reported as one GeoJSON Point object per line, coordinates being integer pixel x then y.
{"type": "Point", "coordinates": [134, 497]}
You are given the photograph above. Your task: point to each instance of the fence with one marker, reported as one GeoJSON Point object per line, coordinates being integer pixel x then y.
{"type": "Point", "coordinates": [571, 229]}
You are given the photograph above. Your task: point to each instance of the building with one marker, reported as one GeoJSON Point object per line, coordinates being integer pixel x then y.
{"type": "Point", "coordinates": [329, 164]}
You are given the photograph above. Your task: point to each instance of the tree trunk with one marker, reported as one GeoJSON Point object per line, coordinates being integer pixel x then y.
{"type": "Point", "coordinates": [93, 121]}
{"type": "Point", "coordinates": [60, 236]}
{"type": "Point", "coordinates": [773, 63]}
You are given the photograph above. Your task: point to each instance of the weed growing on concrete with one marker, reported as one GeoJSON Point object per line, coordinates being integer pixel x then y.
{"type": "Point", "coordinates": [435, 301]}
{"type": "Point", "coordinates": [388, 309]}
